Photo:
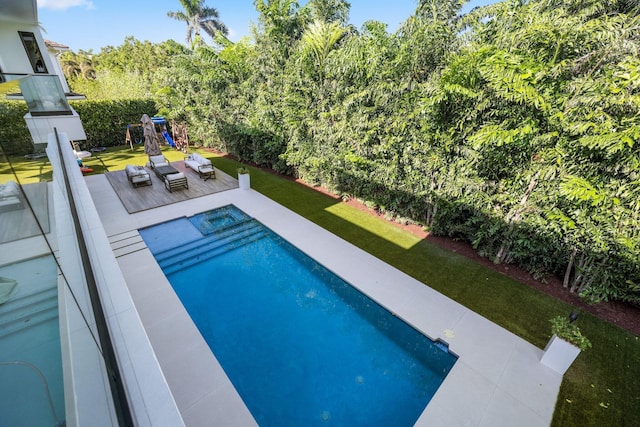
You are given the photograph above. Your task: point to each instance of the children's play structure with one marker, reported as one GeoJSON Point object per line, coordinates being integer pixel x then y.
{"type": "Point", "coordinates": [134, 134]}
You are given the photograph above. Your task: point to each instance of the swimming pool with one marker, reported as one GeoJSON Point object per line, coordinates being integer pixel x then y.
{"type": "Point", "coordinates": [301, 346]}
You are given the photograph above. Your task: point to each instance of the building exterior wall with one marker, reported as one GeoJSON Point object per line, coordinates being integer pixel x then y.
{"type": "Point", "coordinates": [13, 57]}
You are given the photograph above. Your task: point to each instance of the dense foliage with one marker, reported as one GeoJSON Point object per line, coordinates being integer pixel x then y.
{"type": "Point", "coordinates": [104, 121]}
{"type": "Point", "coordinates": [119, 73]}
{"type": "Point", "coordinates": [198, 16]}
{"type": "Point", "coordinates": [14, 135]}
{"type": "Point", "coordinates": [514, 127]}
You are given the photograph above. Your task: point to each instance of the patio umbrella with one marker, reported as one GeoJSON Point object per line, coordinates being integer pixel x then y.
{"type": "Point", "coordinates": [151, 146]}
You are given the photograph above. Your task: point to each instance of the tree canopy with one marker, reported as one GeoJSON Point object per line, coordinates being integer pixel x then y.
{"type": "Point", "coordinates": [198, 16]}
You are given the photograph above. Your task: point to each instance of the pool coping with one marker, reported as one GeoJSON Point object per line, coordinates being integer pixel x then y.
{"type": "Point", "coordinates": [497, 380]}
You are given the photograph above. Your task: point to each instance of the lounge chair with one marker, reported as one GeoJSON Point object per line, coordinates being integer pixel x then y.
{"type": "Point", "coordinates": [201, 165]}
{"type": "Point", "coordinates": [159, 160]}
{"type": "Point", "coordinates": [138, 175]}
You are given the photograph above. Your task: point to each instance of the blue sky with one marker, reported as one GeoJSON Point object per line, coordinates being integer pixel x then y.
{"type": "Point", "coordinates": [93, 24]}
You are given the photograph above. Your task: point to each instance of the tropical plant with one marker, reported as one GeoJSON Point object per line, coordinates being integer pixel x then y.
{"type": "Point", "coordinates": [134, 56]}
{"type": "Point", "coordinates": [330, 11]}
{"type": "Point", "coordinates": [77, 65]}
{"type": "Point", "coordinates": [197, 16]}
{"type": "Point", "coordinates": [563, 328]}
{"type": "Point", "coordinates": [318, 39]}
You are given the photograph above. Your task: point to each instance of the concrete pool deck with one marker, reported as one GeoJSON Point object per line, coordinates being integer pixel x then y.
{"type": "Point", "coordinates": [497, 380]}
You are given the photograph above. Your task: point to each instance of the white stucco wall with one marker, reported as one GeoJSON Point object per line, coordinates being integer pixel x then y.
{"type": "Point", "coordinates": [13, 57]}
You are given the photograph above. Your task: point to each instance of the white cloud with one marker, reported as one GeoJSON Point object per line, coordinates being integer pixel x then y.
{"type": "Point", "coordinates": [64, 4]}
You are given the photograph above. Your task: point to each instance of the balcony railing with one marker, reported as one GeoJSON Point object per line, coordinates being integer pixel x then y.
{"type": "Point", "coordinates": [42, 92]}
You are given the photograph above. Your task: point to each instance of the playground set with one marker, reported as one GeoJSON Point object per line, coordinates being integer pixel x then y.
{"type": "Point", "coordinates": [134, 135]}
{"type": "Point", "coordinates": [179, 141]}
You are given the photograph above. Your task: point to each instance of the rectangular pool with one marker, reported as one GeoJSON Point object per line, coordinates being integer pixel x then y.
{"type": "Point", "coordinates": [301, 346]}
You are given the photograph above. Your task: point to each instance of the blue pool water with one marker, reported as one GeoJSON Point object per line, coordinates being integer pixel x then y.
{"type": "Point", "coordinates": [301, 346]}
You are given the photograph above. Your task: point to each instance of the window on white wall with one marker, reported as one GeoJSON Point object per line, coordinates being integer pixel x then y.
{"type": "Point", "coordinates": [33, 52]}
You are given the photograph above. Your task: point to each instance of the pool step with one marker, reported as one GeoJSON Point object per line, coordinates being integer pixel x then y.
{"type": "Point", "coordinates": [211, 240]}
{"type": "Point", "coordinates": [212, 246]}
{"type": "Point", "coordinates": [238, 226]}
{"type": "Point", "coordinates": [191, 260]}
{"type": "Point", "coordinates": [23, 312]}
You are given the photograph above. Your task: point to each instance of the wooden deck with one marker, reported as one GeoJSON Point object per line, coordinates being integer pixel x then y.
{"type": "Point", "coordinates": [155, 195]}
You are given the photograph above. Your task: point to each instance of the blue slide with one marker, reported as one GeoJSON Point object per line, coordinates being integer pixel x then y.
{"type": "Point", "coordinates": [168, 138]}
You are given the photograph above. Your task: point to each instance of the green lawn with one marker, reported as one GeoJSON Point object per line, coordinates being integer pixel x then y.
{"type": "Point", "coordinates": [602, 388]}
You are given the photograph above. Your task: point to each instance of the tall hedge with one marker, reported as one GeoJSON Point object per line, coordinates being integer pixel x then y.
{"type": "Point", "coordinates": [14, 135]}
{"type": "Point", "coordinates": [105, 122]}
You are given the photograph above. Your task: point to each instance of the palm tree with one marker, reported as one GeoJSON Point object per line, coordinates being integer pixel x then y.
{"type": "Point", "coordinates": [78, 65]}
{"type": "Point", "coordinates": [319, 38]}
{"type": "Point", "coordinates": [198, 16]}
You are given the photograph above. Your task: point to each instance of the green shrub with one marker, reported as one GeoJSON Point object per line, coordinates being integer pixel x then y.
{"type": "Point", "coordinates": [104, 122]}
{"type": "Point", "coordinates": [14, 135]}
{"type": "Point", "coordinates": [568, 331]}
